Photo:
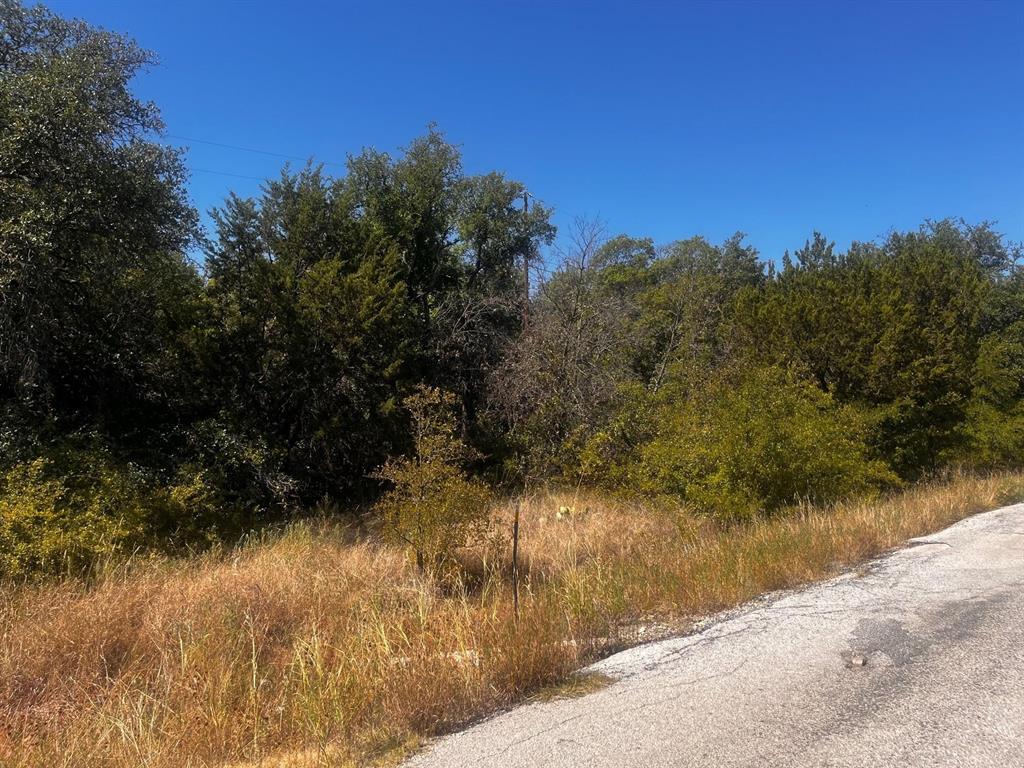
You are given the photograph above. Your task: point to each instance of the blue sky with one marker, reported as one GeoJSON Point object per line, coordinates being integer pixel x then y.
{"type": "Point", "coordinates": [663, 119]}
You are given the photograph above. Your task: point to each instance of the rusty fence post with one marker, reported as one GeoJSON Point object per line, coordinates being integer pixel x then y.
{"type": "Point", "coordinates": [515, 561]}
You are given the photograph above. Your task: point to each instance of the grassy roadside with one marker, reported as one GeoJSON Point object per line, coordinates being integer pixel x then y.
{"type": "Point", "coordinates": [317, 647]}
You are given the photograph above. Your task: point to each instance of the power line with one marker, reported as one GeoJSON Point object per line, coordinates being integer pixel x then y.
{"type": "Point", "coordinates": [225, 173]}
{"type": "Point", "coordinates": [266, 152]}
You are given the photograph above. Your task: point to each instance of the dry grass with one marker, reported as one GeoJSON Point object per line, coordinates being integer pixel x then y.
{"type": "Point", "coordinates": [574, 687]}
{"type": "Point", "coordinates": [314, 648]}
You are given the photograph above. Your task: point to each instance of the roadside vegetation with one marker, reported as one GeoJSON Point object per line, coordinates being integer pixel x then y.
{"type": "Point", "coordinates": [258, 485]}
{"type": "Point", "coordinates": [318, 646]}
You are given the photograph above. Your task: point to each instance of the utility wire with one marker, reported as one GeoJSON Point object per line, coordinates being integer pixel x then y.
{"type": "Point", "coordinates": [225, 173]}
{"type": "Point", "coordinates": [266, 152]}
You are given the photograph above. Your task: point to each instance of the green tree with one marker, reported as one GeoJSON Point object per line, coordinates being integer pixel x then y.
{"type": "Point", "coordinates": [893, 328]}
{"type": "Point", "coordinates": [95, 294]}
{"type": "Point", "coordinates": [749, 445]}
{"type": "Point", "coordinates": [606, 329]}
{"type": "Point", "coordinates": [928, 305]}
{"type": "Point", "coordinates": [335, 297]}
{"type": "Point", "coordinates": [432, 506]}
{"type": "Point", "coordinates": [994, 425]}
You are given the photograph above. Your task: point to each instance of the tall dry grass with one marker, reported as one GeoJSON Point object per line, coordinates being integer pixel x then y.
{"type": "Point", "coordinates": [316, 647]}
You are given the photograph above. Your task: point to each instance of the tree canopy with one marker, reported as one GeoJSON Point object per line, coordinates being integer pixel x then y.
{"type": "Point", "coordinates": [210, 382]}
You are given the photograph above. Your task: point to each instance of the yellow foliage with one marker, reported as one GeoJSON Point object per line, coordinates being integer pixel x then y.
{"type": "Point", "coordinates": [47, 525]}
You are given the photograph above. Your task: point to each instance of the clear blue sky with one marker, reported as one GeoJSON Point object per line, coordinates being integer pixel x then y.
{"type": "Point", "coordinates": [664, 119]}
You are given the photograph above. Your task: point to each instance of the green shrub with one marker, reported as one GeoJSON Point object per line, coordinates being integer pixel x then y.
{"type": "Point", "coordinates": [193, 510]}
{"type": "Point", "coordinates": [995, 436]}
{"type": "Point", "coordinates": [737, 450]}
{"type": "Point", "coordinates": [64, 511]}
{"type": "Point", "coordinates": [994, 427]}
{"type": "Point", "coordinates": [51, 522]}
{"type": "Point", "coordinates": [433, 507]}
{"type": "Point", "coordinates": [611, 457]}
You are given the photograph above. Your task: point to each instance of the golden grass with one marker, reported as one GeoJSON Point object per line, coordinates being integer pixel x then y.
{"type": "Point", "coordinates": [316, 648]}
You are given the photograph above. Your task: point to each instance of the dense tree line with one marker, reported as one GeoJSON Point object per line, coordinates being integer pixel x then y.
{"type": "Point", "coordinates": [145, 395]}
{"type": "Point", "coordinates": [703, 371]}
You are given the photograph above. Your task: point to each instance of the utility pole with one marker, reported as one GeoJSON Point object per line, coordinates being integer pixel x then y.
{"type": "Point", "coordinates": [526, 261]}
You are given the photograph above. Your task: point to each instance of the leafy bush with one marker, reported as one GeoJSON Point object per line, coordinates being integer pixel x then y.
{"type": "Point", "coordinates": [194, 509]}
{"type": "Point", "coordinates": [995, 437]}
{"type": "Point", "coordinates": [995, 414]}
{"type": "Point", "coordinates": [78, 503]}
{"type": "Point", "coordinates": [51, 522]}
{"type": "Point", "coordinates": [433, 507]}
{"type": "Point", "coordinates": [242, 483]}
{"type": "Point", "coordinates": [750, 448]}
{"type": "Point", "coordinates": [611, 457]}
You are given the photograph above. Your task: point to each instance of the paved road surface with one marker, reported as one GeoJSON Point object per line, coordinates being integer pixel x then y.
{"type": "Point", "coordinates": [939, 623]}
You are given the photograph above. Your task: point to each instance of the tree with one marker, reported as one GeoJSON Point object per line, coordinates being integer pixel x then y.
{"type": "Point", "coordinates": [606, 328]}
{"type": "Point", "coordinates": [818, 253]}
{"type": "Point", "coordinates": [432, 506]}
{"type": "Point", "coordinates": [481, 314]}
{"type": "Point", "coordinates": [558, 382]}
{"type": "Point", "coordinates": [691, 297]}
{"type": "Point", "coordinates": [334, 298]}
{"type": "Point", "coordinates": [928, 306]}
{"type": "Point", "coordinates": [994, 424]}
{"type": "Point", "coordinates": [753, 441]}
{"type": "Point", "coordinates": [95, 293]}
{"type": "Point", "coordinates": [893, 328]}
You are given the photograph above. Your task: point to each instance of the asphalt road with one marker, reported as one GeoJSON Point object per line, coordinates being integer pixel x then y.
{"type": "Point", "coordinates": [938, 625]}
